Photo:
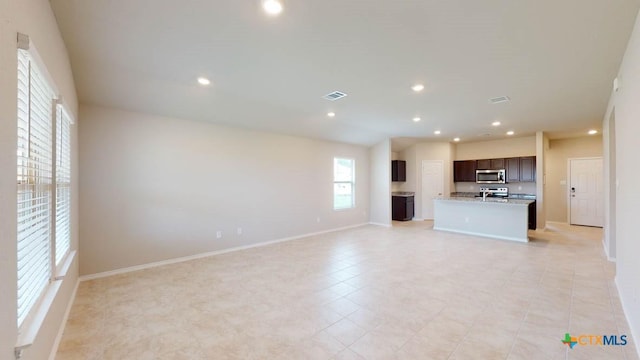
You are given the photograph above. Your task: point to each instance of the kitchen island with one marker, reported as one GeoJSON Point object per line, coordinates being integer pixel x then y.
{"type": "Point", "coordinates": [506, 219]}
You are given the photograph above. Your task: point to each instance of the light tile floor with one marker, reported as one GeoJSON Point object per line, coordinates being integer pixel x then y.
{"type": "Point", "coordinates": [407, 292]}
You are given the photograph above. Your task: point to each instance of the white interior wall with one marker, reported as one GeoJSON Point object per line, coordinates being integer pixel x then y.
{"type": "Point", "coordinates": [500, 148]}
{"type": "Point", "coordinates": [380, 183]}
{"type": "Point", "coordinates": [627, 127]}
{"type": "Point", "coordinates": [156, 188]}
{"type": "Point", "coordinates": [395, 185]}
{"type": "Point", "coordinates": [35, 19]}
{"type": "Point", "coordinates": [542, 144]}
{"type": "Point", "coordinates": [409, 155]}
{"type": "Point", "coordinates": [557, 156]}
{"type": "Point", "coordinates": [610, 191]}
{"type": "Point", "coordinates": [431, 151]}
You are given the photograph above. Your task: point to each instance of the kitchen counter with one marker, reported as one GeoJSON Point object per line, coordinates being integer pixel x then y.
{"type": "Point", "coordinates": [403, 193]}
{"type": "Point", "coordinates": [498, 218]}
{"type": "Point", "coordinates": [508, 200]}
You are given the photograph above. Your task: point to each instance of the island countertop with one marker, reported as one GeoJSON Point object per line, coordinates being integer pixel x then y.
{"type": "Point", "coordinates": [489, 200]}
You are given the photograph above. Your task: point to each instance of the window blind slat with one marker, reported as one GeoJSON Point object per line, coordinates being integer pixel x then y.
{"type": "Point", "coordinates": [34, 176]}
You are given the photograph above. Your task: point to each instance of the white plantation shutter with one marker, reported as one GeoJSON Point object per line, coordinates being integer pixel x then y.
{"type": "Point", "coordinates": [63, 183]}
{"type": "Point", "coordinates": [35, 162]}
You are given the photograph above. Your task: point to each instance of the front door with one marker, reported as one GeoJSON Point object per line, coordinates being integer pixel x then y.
{"type": "Point", "coordinates": [432, 185]}
{"type": "Point", "coordinates": [586, 196]}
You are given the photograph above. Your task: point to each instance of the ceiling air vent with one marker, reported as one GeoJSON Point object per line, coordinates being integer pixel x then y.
{"type": "Point", "coordinates": [335, 95]}
{"type": "Point", "coordinates": [499, 99]}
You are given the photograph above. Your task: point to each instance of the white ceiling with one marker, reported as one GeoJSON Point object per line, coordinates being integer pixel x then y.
{"type": "Point", "coordinates": [555, 59]}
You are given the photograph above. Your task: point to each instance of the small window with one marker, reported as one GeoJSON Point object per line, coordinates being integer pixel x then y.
{"type": "Point", "coordinates": [344, 181]}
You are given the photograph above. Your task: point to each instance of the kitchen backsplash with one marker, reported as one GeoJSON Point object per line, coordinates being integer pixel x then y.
{"type": "Point", "coordinates": [514, 188]}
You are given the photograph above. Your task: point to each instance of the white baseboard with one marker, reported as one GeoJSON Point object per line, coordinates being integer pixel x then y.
{"type": "Point", "coordinates": [56, 343]}
{"type": "Point", "coordinates": [606, 251]}
{"type": "Point", "coordinates": [635, 336]}
{"type": "Point", "coordinates": [558, 222]}
{"type": "Point", "coordinates": [208, 254]}
{"type": "Point", "coordinates": [380, 224]}
{"type": "Point", "coordinates": [418, 219]}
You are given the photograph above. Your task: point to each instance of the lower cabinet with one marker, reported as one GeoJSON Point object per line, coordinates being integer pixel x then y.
{"type": "Point", "coordinates": [402, 208]}
{"type": "Point", "coordinates": [532, 216]}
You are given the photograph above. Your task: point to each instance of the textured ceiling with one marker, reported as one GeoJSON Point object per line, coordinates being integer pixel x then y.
{"type": "Point", "coordinates": [556, 60]}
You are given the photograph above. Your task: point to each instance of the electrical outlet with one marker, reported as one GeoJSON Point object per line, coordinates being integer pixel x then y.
{"type": "Point", "coordinates": [239, 231]}
{"type": "Point", "coordinates": [218, 234]}
{"type": "Point", "coordinates": [466, 219]}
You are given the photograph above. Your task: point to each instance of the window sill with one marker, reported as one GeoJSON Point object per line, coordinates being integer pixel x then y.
{"type": "Point", "coordinates": [29, 330]}
{"type": "Point", "coordinates": [344, 209]}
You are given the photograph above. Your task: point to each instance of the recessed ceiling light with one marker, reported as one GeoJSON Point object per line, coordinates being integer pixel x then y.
{"type": "Point", "coordinates": [272, 7]}
{"type": "Point", "coordinates": [331, 114]}
{"type": "Point", "coordinates": [593, 132]}
{"type": "Point", "coordinates": [416, 119]}
{"type": "Point", "coordinates": [495, 123]}
{"type": "Point", "coordinates": [204, 81]}
{"type": "Point", "coordinates": [456, 139]}
{"type": "Point", "coordinates": [437, 132]}
{"type": "Point", "coordinates": [510, 133]}
{"type": "Point", "coordinates": [417, 87]}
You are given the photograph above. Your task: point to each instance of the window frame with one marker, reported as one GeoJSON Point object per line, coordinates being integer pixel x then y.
{"type": "Point", "coordinates": [30, 317]}
{"type": "Point", "coordinates": [352, 183]}
{"type": "Point", "coordinates": [63, 179]}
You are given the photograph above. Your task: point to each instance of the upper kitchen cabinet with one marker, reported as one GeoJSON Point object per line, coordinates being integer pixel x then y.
{"type": "Point", "coordinates": [497, 164]}
{"type": "Point", "coordinates": [490, 164]}
{"type": "Point", "coordinates": [464, 171]}
{"type": "Point", "coordinates": [512, 166]}
{"type": "Point", "coordinates": [398, 170]}
{"type": "Point", "coordinates": [528, 169]}
{"type": "Point", "coordinates": [519, 169]}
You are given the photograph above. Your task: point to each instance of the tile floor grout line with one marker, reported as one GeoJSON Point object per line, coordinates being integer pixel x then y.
{"type": "Point", "coordinates": [525, 314]}
{"type": "Point", "coordinates": [573, 285]}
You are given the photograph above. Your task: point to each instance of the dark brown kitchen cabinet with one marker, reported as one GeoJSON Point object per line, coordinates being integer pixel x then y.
{"type": "Point", "coordinates": [533, 224]}
{"type": "Point", "coordinates": [484, 164]}
{"type": "Point", "coordinates": [528, 169]}
{"type": "Point", "coordinates": [512, 166]}
{"type": "Point", "coordinates": [398, 170]}
{"type": "Point", "coordinates": [519, 169]}
{"type": "Point", "coordinates": [490, 164]}
{"type": "Point", "coordinates": [464, 171]}
{"type": "Point", "coordinates": [497, 164]}
{"type": "Point", "coordinates": [402, 208]}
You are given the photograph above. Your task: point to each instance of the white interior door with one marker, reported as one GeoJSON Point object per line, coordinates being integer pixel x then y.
{"type": "Point", "coordinates": [432, 185]}
{"type": "Point", "coordinates": [586, 196]}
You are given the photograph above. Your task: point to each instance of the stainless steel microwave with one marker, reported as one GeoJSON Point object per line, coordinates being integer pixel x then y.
{"type": "Point", "coordinates": [491, 176]}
